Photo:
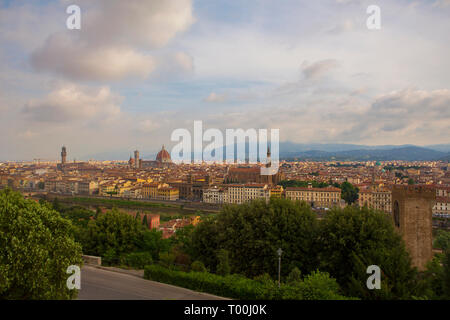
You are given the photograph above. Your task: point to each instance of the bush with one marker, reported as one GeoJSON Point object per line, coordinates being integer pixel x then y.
{"type": "Point", "coordinates": [198, 266]}
{"type": "Point", "coordinates": [318, 286]}
{"type": "Point", "coordinates": [167, 259]}
{"type": "Point", "coordinates": [137, 260]}
{"type": "Point", "coordinates": [110, 258]}
{"type": "Point", "coordinates": [223, 267]}
{"type": "Point", "coordinates": [295, 276]}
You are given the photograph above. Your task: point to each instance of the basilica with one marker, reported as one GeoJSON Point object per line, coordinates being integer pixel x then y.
{"type": "Point", "coordinates": [163, 160]}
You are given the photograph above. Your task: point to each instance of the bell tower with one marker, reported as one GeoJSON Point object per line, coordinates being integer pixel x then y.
{"type": "Point", "coordinates": [412, 217]}
{"type": "Point", "coordinates": [63, 155]}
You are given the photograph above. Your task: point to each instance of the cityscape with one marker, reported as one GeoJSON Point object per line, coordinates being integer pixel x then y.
{"type": "Point", "coordinates": [317, 166]}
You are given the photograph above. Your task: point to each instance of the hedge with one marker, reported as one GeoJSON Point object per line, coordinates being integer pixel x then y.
{"type": "Point", "coordinates": [137, 259]}
{"type": "Point", "coordinates": [239, 287]}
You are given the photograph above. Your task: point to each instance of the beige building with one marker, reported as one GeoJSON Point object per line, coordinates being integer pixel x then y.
{"type": "Point", "coordinates": [150, 190]}
{"type": "Point", "coordinates": [442, 206]}
{"type": "Point", "coordinates": [317, 197]}
{"type": "Point", "coordinates": [241, 193]}
{"type": "Point", "coordinates": [214, 195]}
{"type": "Point", "coordinates": [168, 193]}
{"type": "Point", "coordinates": [378, 198]}
{"type": "Point", "coordinates": [87, 187]}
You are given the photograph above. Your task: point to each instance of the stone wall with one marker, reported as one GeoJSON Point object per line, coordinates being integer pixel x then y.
{"type": "Point", "coordinates": [92, 260]}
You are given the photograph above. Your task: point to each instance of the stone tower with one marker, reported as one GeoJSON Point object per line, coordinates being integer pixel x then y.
{"type": "Point", "coordinates": [412, 216]}
{"type": "Point", "coordinates": [136, 159]}
{"type": "Point", "coordinates": [63, 155]}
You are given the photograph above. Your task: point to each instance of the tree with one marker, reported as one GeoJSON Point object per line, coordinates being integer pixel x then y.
{"type": "Point", "coordinates": [433, 279]}
{"type": "Point", "coordinates": [114, 232]}
{"type": "Point", "coordinates": [153, 243]}
{"type": "Point", "coordinates": [442, 240]}
{"type": "Point", "coordinates": [57, 205]}
{"type": "Point", "coordinates": [36, 248]}
{"type": "Point", "coordinates": [349, 192]}
{"type": "Point", "coordinates": [446, 275]}
{"type": "Point", "coordinates": [295, 276]}
{"type": "Point", "coordinates": [352, 239]}
{"type": "Point", "coordinates": [252, 233]}
{"type": "Point", "coordinates": [223, 267]}
{"type": "Point", "coordinates": [145, 222]}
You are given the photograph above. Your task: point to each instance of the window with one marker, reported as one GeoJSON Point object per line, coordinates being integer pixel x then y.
{"type": "Point", "coordinates": [396, 214]}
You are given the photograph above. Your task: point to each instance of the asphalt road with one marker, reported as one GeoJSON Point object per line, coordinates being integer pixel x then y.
{"type": "Point", "coordinates": [100, 284]}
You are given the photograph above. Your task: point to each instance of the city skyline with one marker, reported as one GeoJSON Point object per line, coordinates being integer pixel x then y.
{"type": "Point", "coordinates": [313, 70]}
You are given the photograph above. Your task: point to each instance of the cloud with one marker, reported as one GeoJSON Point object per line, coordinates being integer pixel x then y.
{"type": "Point", "coordinates": [71, 103]}
{"type": "Point", "coordinates": [415, 105]}
{"type": "Point", "coordinates": [184, 61]}
{"type": "Point", "coordinates": [441, 3]}
{"type": "Point", "coordinates": [406, 116]}
{"type": "Point", "coordinates": [65, 57]}
{"type": "Point", "coordinates": [344, 26]}
{"type": "Point", "coordinates": [214, 97]}
{"type": "Point", "coordinates": [148, 126]}
{"type": "Point", "coordinates": [148, 24]}
{"type": "Point", "coordinates": [114, 40]}
{"type": "Point", "coordinates": [318, 69]}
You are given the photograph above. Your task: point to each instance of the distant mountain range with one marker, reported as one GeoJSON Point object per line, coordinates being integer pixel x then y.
{"type": "Point", "coordinates": [350, 152]}
{"type": "Point", "coordinates": [323, 152]}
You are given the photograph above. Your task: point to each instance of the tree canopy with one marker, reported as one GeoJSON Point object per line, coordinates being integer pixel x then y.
{"type": "Point", "coordinates": [352, 239]}
{"type": "Point", "coordinates": [252, 233]}
{"type": "Point", "coordinates": [343, 244]}
{"type": "Point", "coordinates": [36, 248]}
{"type": "Point", "coordinates": [113, 234]}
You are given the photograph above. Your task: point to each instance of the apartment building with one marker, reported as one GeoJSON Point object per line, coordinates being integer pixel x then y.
{"type": "Point", "coordinates": [317, 197]}
{"type": "Point", "coordinates": [378, 198]}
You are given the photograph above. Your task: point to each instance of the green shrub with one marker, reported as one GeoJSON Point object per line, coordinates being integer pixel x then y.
{"type": "Point", "coordinates": [223, 267]}
{"type": "Point", "coordinates": [198, 266]}
{"type": "Point", "coordinates": [167, 259]}
{"type": "Point", "coordinates": [240, 287]}
{"type": "Point", "coordinates": [295, 276]}
{"type": "Point", "coordinates": [137, 260]}
{"type": "Point", "coordinates": [109, 258]}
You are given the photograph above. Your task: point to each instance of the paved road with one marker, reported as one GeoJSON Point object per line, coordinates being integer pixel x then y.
{"type": "Point", "coordinates": [100, 284]}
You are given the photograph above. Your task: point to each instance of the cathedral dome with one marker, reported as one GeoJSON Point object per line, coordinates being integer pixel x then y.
{"type": "Point", "coordinates": [163, 156]}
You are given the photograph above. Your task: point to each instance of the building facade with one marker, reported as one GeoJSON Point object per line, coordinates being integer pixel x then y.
{"type": "Point", "coordinates": [317, 197]}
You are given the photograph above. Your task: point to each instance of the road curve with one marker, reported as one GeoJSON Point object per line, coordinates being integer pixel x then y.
{"type": "Point", "coordinates": [101, 284]}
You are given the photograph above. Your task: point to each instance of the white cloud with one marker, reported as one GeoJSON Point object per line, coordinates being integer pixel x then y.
{"type": "Point", "coordinates": [441, 3]}
{"type": "Point", "coordinates": [148, 125]}
{"type": "Point", "coordinates": [72, 103]}
{"type": "Point", "coordinates": [66, 57]}
{"type": "Point", "coordinates": [344, 26]}
{"type": "Point", "coordinates": [148, 24]}
{"type": "Point", "coordinates": [318, 69]}
{"type": "Point", "coordinates": [215, 97]}
{"type": "Point", "coordinates": [114, 40]}
{"type": "Point", "coordinates": [184, 61]}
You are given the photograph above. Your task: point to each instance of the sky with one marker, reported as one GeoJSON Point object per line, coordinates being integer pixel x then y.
{"type": "Point", "coordinates": [137, 70]}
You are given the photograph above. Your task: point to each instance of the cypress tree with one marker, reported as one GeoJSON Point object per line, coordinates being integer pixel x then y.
{"type": "Point", "coordinates": [144, 222]}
